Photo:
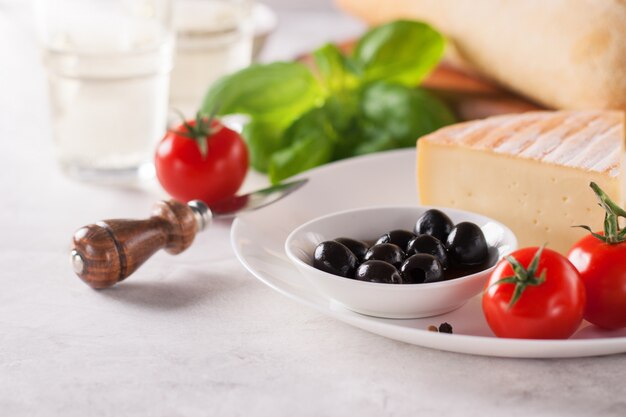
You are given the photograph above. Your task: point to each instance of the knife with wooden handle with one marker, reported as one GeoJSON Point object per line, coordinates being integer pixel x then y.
{"type": "Point", "coordinates": [107, 252]}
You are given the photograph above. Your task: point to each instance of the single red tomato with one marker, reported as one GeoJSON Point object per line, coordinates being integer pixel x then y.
{"type": "Point", "coordinates": [201, 159]}
{"type": "Point", "coordinates": [601, 260]}
{"type": "Point", "coordinates": [602, 268]}
{"type": "Point", "coordinates": [534, 293]}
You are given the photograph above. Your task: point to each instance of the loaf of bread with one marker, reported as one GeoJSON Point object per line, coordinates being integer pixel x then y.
{"type": "Point", "coordinates": [566, 54]}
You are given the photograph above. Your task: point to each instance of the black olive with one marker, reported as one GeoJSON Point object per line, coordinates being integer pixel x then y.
{"type": "Point", "coordinates": [397, 237]}
{"type": "Point", "coordinates": [387, 252]}
{"type": "Point", "coordinates": [335, 258]}
{"type": "Point", "coordinates": [435, 223]}
{"type": "Point", "coordinates": [429, 245]}
{"type": "Point", "coordinates": [421, 268]}
{"type": "Point", "coordinates": [357, 247]}
{"type": "Point", "coordinates": [466, 244]}
{"type": "Point", "coordinates": [378, 271]}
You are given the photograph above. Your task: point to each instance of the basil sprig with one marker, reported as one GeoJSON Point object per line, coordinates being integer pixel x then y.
{"type": "Point", "coordinates": [347, 105]}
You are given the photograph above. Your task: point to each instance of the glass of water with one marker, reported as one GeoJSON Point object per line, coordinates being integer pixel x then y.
{"type": "Point", "coordinates": [214, 38]}
{"type": "Point", "coordinates": [108, 64]}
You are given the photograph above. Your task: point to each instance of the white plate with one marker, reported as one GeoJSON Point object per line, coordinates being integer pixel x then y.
{"type": "Point", "coordinates": [383, 179]}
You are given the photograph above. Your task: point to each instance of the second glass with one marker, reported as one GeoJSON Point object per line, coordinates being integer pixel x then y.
{"type": "Point", "coordinates": [214, 38]}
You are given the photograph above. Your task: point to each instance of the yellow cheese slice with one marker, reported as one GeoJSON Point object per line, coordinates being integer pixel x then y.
{"type": "Point", "coordinates": [529, 171]}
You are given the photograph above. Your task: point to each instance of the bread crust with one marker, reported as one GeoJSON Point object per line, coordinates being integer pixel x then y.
{"type": "Point", "coordinates": [566, 54]}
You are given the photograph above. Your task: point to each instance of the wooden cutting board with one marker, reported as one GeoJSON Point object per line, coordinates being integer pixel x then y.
{"type": "Point", "coordinates": [472, 97]}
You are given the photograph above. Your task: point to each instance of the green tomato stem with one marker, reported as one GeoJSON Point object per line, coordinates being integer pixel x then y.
{"type": "Point", "coordinates": [612, 232]}
{"type": "Point", "coordinates": [523, 277]}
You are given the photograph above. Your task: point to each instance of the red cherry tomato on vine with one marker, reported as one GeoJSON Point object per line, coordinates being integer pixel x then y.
{"type": "Point", "coordinates": [601, 260]}
{"type": "Point", "coordinates": [602, 268]}
{"type": "Point", "coordinates": [201, 159]}
{"type": "Point", "coordinates": [543, 298]}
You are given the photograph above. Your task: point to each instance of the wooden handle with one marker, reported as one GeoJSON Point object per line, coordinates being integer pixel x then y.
{"type": "Point", "coordinates": [107, 252]}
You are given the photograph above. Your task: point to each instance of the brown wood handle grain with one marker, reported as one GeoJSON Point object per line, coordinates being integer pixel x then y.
{"type": "Point", "coordinates": [107, 252]}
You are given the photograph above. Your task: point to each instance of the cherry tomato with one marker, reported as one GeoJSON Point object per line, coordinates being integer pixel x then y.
{"type": "Point", "coordinates": [602, 268]}
{"type": "Point", "coordinates": [601, 260]}
{"type": "Point", "coordinates": [201, 159]}
{"type": "Point", "coordinates": [551, 296]}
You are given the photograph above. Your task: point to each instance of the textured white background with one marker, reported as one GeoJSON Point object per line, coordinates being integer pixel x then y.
{"type": "Point", "coordinates": [197, 335]}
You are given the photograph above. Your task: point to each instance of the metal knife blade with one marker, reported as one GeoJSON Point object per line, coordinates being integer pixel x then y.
{"type": "Point", "coordinates": [231, 206]}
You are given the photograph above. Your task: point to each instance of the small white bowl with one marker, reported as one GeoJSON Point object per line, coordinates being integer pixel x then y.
{"type": "Point", "coordinates": [400, 301]}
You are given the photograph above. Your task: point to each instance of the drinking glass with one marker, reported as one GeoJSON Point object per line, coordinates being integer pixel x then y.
{"type": "Point", "coordinates": [108, 64]}
{"type": "Point", "coordinates": [213, 39]}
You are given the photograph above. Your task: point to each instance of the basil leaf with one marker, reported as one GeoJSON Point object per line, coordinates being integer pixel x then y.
{"type": "Point", "coordinates": [272, 95]}
{"type": "Point", "coordinates": [374, 141]}
{"type": "Point", "coordinates": [305, 154]}
{"type": "Point", "coordinates": [315, 122]}
{"type": "Point", "coordinates": [337, 71]}
{"type": "Point", "coordinates": [400, 114]}
{"type": "Point", "coordinates": [279, 92]}
{"type": "Point", "coordinates": [263, 139]}
{"type": "Point", "coordinates": [342, 112]}
{"type": "Point", "coordinates": [402, 51]}
{"type": "Point", "coordinates": [307, 143]}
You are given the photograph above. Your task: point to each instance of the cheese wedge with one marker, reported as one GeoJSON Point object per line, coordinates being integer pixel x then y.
{"type": "Point", "coordinates": [529, 171]}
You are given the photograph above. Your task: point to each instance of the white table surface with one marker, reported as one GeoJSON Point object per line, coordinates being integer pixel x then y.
{"type": "Point", "coordinates": [197, 335]}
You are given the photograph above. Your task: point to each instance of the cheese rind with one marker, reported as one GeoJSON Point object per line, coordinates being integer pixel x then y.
{"type": "Point", "coordinates": [530, 171]}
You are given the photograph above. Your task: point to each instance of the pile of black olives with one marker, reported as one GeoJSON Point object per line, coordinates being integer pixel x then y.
{"type": "Point", "coordinates": [436, 250]}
